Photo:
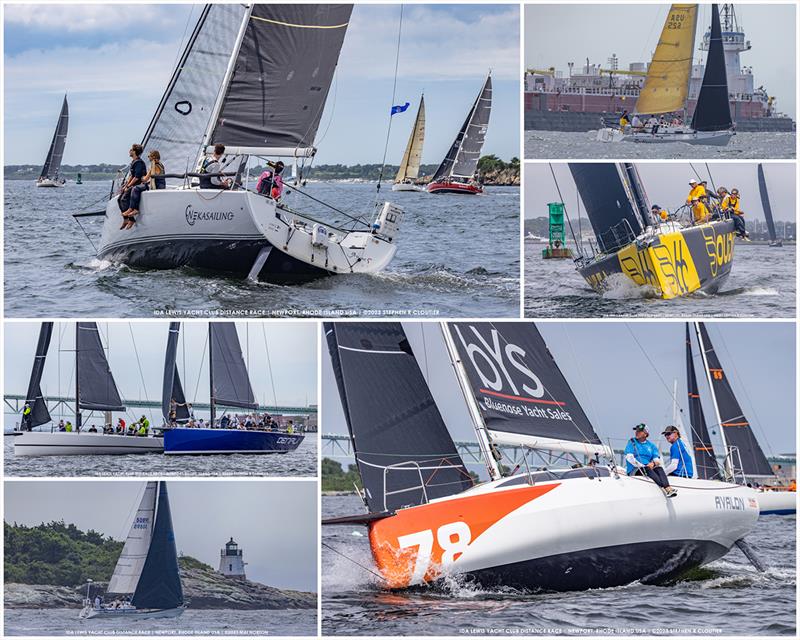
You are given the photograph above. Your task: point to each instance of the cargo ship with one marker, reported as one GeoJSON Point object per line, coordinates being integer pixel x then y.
{"type": "Point", "coordinates": [582, 100]}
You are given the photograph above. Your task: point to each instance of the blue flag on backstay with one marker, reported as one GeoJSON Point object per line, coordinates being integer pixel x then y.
{"type": "Point", "coordinates": [398, 108]}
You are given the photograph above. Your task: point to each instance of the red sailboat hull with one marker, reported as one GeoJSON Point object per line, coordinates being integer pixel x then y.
{"type": "Point", "coordinates": [454, 187]}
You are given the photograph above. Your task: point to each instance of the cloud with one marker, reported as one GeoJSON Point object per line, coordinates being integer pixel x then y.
{"type": "Point", "coordinates": [82, 18]}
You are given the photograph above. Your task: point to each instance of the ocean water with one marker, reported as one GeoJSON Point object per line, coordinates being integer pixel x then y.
{"type": "Point", "coordinates": [547, 145]}
{"type": "Point", "coordinates": [761, 285]}
{"type": "Point", "coordinates": [458, 256]}
{"type": "Point", "coordinates": [300, 462]}
{"type": "Point", "coordinates": [217, 622]}
{"type": "Point", "coordinates": [728, 597]}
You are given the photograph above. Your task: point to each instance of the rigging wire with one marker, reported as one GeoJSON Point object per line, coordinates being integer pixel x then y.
{"type": "Point", "coordinates": [394, 94]}
{"type": "Point", "coordinates": [141, 373]}
{"type": "Point", "coordinates": [355, 562]}
{"type": "Point", "coordinates": [569, 222]}
{"type": "Point", "coordinates": [269, 365]}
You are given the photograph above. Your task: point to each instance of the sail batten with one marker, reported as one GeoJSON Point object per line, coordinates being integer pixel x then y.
{"type": "Point", "coordinates": [231, 383]}
{"type": "Point", "coordinates": [52, 164]}
{"type": "Point", "coordinates": [666, 86]}
{"type": "Point", "coordinates": [33, 397]}
{"type": "Point", "coordinates": [97, 389]}
{"type": "Point", "coordinates": [713, 109]}
{"type": "Point", "coordinates": [409, 165]}
{"type": "Point", "coordinates": [404, 452]}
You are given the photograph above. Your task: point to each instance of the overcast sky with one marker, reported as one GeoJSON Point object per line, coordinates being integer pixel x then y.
{"type": "Point", "coordinates": [614, 382]}
{"type": "Point", "coordinates": [667, 184]}
{"type": "Point", "coordinates": [115, 82]}
{"type": "Point", "coordinates": [292, 353]}
{"type": "Point", "coordinates": [275, 522]}
{"type": "Point", "coordinates": [558, 34]}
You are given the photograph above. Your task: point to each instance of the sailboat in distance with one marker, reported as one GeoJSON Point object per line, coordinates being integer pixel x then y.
{"type": "Point", "coordinates": [579, 527]}
{"type": "Point", "coordinates": [253, 78]}
{"type": "Point", "coordinates": [408, 172]}
{"type": "Point", "coordinates": [146, 582]}
{"type": "Point", "coordinates": [666, 88]}
{"type": "Point", "coordinates": [457, 173]}
{"type": "Point", "coordinates": [774, 240]}
{"type": "Point", "coordinates": [50, 175]}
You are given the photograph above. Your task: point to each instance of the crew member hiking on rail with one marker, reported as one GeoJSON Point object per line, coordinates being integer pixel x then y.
{"type": "Point", "coordinates": [136, 172]}
{"type": "Point", "coordinates": [211, 166]}
{"type": "Point", "coordinates": [697, 200]}
{"type": "Point", "coordinates": [150, 181]}
{"type": "Point", "coordinates": [731, 204]}
{"type": "Point", "coordinates": [643, 459]}
{"type": "Point", "coordinates": [680, 462]}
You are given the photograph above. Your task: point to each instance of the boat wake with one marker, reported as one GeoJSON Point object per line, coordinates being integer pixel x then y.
{"type": "Point", "coordinates": [620, 287]}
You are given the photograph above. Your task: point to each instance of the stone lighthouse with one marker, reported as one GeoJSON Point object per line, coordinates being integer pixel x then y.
{"type": "Point", "coordinates": [231, 563]}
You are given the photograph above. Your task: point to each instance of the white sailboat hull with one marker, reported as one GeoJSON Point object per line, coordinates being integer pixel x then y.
{"type": "Point", "coordinates": [404, 186]}
{"type": "Point", "coordinates": [47, 182]}
{"type": "Point", "coordinates": [710, 138]}
{"type": "Point", "coordinates": [777, 502]}
{"type": "Point", "coordinates": [574, 534]}
{"type": "Point", "coordinates": [229, 231]}
{"type": "Point", "coordinates": [63, 443]}
{"type": "Point", "coordinates": [90, 613]}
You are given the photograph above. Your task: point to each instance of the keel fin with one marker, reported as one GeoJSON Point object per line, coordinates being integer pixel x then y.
{"type": "Point", "coordinates": [260, 260]}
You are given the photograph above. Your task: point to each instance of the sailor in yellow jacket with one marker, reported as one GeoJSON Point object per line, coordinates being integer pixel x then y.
{"type": "Point", "coordinates": [697, 199]}
{"type": "Point", "coordinates": [731, 203]}
{"type": "Point", "coordinates": [623, 121]}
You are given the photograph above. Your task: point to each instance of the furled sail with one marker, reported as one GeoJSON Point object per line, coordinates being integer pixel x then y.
{"type": "Point", "coordinates": [172, 390]}
{"type": "Point", "coordinates": [713, 110]}
{"type": "Point", "coordinates": [159, 585]}
{"type": "Point", "coordinates": [52, 164]}
{"type": "Point", "coordinates": [522, 395]}
{"type": "Point", "coordinates": [461, 160]}
{"type": "Point", "coordinates": [403, 450]}
{"type": "Point", "coordinates": [667, 84]}
{"type": "Point", "coordinates": [182, 118]}
{"type": "Point", "coordinates": [134, 552]}
{"type": "Point", "coordinates": [230, 382]}
{"type": "Point", "coordinates": [39, 413]}
{"type": "Point", "coordinates": [704, 458]}
{"type": "Point", "coordinates": [282, 74]}
{"type": "Point", "coordinates": [96, 387]}
{"type": "Point", "coordinates": [607, 203]}
{"type": "Point", "coordinates": [734, 424]}
{"type": "Point", "coordinates": [765, 204]}
{"type": "Point", "coordinates": [409, 165]}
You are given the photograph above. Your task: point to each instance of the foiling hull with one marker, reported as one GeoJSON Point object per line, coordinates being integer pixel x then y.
{"type": "Point", "coordinates": [90, 613]}
{"type": "Point", "coordinates": [688, 136]}
{"type": "Point", "coordinates": [63, 443]}
{"type": "Point", "coordinates": [50, 182]}
{"type": "Point", "coordinates": [405, 186]}
{"type": "Point", "coordinates": [777, 503]}
{"type": "Point", "coordinates": [573, 534]}
{"type": "Point", "coordinates": [673, 263]}
{"type": "Point", "coordinates": [238, 233]}
{"type": "Point", "coordinates": [448, 186]}
{"type": "Point", "coordinates": [195, 441]}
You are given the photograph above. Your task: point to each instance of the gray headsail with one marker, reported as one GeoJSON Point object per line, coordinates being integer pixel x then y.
{"type": "Point", "coordinates": [765, 204]}
{"type": "Point", "coordinates": [607, 203]}
{"type": "Point", "coordinates": [39, 412]}
{"type": "Point", "coordinates": [705, 460]}
{"type": "Point", "coordinates": [522, 395]}
{"type": "Point", "coordinates": [182, 117]}
{"type": "Point", "coordinates": [282, 74]}
{"type": "Point", "coordinates": [96, 387]}
{"type": "Point", "coordinates": [735, 426]}
{"type": "Point", "coordinates": [172, 390]}
{"type": "Point", "coordinates": [52, 164]}
{"type": "Point", "coordinates": [404, 452]}
{"type": "Point", "coordinates": [462, 158]}
{"type": "Point", "coordinates": [230, 386]}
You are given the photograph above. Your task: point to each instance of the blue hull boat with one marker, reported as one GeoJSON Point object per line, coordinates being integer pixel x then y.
{"type": "Point", "coordinates": [194, 441]}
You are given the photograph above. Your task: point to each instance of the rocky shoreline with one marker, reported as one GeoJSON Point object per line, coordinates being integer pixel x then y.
{"type": "Point", "coordinates": [203, 588]}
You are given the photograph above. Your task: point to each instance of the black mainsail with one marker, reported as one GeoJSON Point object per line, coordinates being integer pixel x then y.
{"type": "Point", "coordinates": [461, 160]}
{"type": "Point", "coordinates": [96, 389]}
{"type": "Point", "coordinates": [33, 397]}
{"type": "Point", "coordinates": [52, 164]}
{"type": "Point", "coordinates": [283, 71]}
{"type": "Point", "coordinates": [765, 204]}
{"type": "Point", "coordinates": [522, 395]}
{"type": "Point", "coordinates": [230, 384]}
{"type": "Point", "coordinates": [735, 426]}
{"type": "Point", "coordinates": [607, 203]}
{"type": "Point", "coordinates": [171, 389]}
{"type": "Point", "coordinates": [404, 452]}
{"type": "Point", "coordinates": [705, 460]}
{"type": "Point", "coordinates": [713, 110]}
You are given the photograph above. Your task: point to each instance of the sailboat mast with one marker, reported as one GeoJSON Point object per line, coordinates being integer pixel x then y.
{"type": "Point", "coordinates": [211, 375]}
{"type": "Point", "coordinates": [212, 121]}
{"type": "Point", "coordinates": [727, 461]}
{"type": "Point", "coordinates": [77, 380]}
{"type": "Point", "coordinates": [477, 420]}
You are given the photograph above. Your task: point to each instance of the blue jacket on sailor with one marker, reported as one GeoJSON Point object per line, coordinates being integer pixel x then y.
{"type": "Point", "coordinates": [644, 453]}
{"type": "Point", "coordinates": [679, 453]}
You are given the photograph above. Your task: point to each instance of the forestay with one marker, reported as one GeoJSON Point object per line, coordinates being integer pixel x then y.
{"type": "Point", "coordinates": [666, 86]}
{"type": "Point", "coordinates": [182, 117]}
{"type": "Point", "coordinates": [96, 387]}
{"type": "Point", "coordinates": [522, 395]}
{"type": "Point", "coordinates": [735, 426]}
{"type": "Point", "coordinates": [705, 460]}
{"type": "Point", "coordinates": [39, 412]}
{"type": "Point", "coordinates": [230, 382]}
{"type": "Point", "coordinates": [404, 452]}
{"type": "Point", "coordinates": [713, 110]}
{"type": "Point", "coordinates": [134, 552]}
{"type": "Point", "coordinates": [52, 164]}
{"type": "Point", "coordinates": [172, 390]}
